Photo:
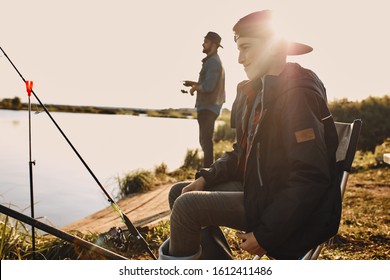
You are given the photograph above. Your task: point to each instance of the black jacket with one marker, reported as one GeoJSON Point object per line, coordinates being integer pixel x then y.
{"type": "Point", "coordinates": [292, 199]}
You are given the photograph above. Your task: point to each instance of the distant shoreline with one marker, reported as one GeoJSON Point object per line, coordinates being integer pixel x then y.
{"type": "Point", "coordinates": [15, 104]}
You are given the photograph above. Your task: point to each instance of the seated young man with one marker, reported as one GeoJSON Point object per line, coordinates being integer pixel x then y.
{"type": "Point", "coordinates": [277, 187]}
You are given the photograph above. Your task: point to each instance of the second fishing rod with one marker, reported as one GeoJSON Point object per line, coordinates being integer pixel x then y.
{"type": "Point", "coordinates": [124, 218]}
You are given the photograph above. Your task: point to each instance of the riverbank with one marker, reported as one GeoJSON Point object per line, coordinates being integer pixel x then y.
{"type": "Point", "coordinates": [16, 104]}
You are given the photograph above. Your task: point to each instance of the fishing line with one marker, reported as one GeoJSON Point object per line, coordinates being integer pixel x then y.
{"type": "Point", "coordinates": [124, 218]}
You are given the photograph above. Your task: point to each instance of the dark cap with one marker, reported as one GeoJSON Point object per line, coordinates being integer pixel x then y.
{"type": "Point", "coordinates": [259, 25]}
{"type": "Point", "coordinates": [214, 37]}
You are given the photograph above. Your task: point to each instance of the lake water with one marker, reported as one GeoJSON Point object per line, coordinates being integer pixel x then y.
{"type": "Point", "coordinates": [111, 145]}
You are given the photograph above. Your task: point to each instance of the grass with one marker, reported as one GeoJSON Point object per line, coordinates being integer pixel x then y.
{"type": "Point", "coordinates": [363, 234]}
{"type": "Point", "coordinates": [141, 180]}
{"type": "Point", "coordinates": [15, 240]}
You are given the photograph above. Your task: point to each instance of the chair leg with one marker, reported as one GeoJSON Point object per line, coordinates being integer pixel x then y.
{"type": "Point", "coordinates": [308, 255]}
{"type": "Point", "coordinates": [317, 252]}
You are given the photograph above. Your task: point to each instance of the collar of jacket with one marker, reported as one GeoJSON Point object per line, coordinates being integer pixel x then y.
{"type": "Point", "coordinates": [251, 88]}
{"type": "Point", "coordinates": [209, 56]}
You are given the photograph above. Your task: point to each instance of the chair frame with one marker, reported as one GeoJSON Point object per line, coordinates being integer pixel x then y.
{"type": "Point", "coordinates": [348, 134]}
{"type": "Point", "coordinates": [345, 153]}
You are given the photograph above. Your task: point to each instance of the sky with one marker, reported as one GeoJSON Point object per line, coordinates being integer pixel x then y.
{"type": "Point", "coordinates": [126, 53]}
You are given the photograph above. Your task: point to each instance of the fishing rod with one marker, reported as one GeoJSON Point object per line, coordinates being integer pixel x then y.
{"type": "Point", "coordinates": [124, 218]}
{"type": "Point", "coordinates": [29, 85]}
{"type": "Point", "coordinates": [61, 234]}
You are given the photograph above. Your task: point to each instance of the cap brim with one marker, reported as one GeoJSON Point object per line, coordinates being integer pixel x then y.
{"type": "Point", "coordinates": [294, 48]}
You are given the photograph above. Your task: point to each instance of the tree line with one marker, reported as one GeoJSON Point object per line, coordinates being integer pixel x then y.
{"type": "Point", "coordinates": [16, 104]}
{"type": "Point", "coordinates": [375, 115]}
{"type": "Point", "coordinates": [373, 111]}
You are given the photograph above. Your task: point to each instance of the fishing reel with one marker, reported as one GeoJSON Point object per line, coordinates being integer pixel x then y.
{"type": "Point", "coordinates": [186, 92]}
{"type": "Point", "coordinates": [188, 84]}
{"type": "Point", "coordinates": [115, 238]}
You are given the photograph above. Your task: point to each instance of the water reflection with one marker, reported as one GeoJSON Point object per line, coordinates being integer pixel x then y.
{"type": "Point", "coordinates": [111, 145]}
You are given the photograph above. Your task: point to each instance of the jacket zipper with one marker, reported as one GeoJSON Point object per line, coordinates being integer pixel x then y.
{"type": "Point", "coordinates": [258, 163]}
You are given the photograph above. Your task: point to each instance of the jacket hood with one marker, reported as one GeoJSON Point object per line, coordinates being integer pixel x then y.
{"type": "Point", "coordinates": [292, 77]}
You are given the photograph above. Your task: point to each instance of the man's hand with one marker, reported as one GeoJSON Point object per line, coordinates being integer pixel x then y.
{"type": "Point", "coordinates": [250, 244]}
{"type": "Point", "coordinates": [188, 83]}
{"type": "Point", "coordinates": [197, 185]}
{"type": "Point", "coordinates": [192, 90]}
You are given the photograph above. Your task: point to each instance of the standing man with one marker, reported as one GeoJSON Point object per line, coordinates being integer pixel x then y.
{"type": "Point", "coordinates": [210, 94]}
{"type": "Point", "coordinates": [278, 186]}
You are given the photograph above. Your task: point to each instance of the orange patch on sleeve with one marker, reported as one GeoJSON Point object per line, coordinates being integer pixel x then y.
{"type": "Point", "coordinates": [305, 135]}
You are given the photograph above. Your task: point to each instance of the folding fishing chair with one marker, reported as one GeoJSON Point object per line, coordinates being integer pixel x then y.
{"type": "Point", "coordinates": [348, 134]}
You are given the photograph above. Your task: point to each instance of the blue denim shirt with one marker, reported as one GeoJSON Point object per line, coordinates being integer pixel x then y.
{"type": "Point", "coordinates": [211, 83]}
{"type": "Point", "coordinates": [215, 108]}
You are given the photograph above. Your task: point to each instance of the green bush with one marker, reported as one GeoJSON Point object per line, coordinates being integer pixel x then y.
{"type": "Point", "coordinates": [370, 160]}
{"type": "Point", "coordinates": [224, 132]}
{"type": "Point", "coordinates": [193, 160]}
{"type": "Point", "coordinates": [161, 169]}
{"type": "Point", "coordinates": [136, 182]}
{"type": "Point", "coordinates": [222, 147]}
{"type": "Point", "coordinates": [373, 111]}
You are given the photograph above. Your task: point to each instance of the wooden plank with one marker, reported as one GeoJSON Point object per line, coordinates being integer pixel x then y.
{"type": "Point", "coordinates": [143, 209]}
